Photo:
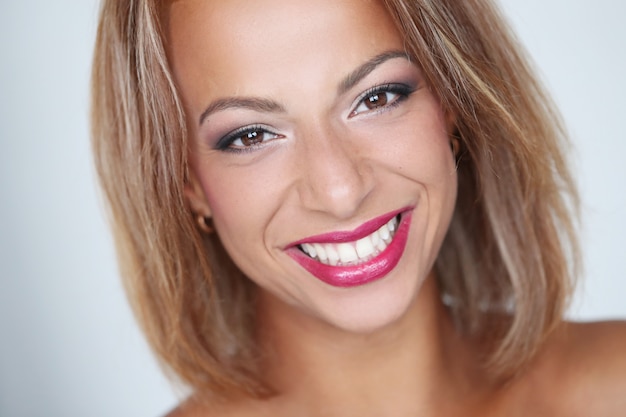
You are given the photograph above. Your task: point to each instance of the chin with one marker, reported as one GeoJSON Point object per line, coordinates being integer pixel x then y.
{"type": "Point", "coordinates": [372, 307]}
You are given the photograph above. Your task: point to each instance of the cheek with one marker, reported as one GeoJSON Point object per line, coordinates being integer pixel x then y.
{"type": "Point", "coordinates": [420, 147]}
{"type": "Point", "coordinates": [242, 202]}
{"type": "Point", "coordinates": [231, 202]}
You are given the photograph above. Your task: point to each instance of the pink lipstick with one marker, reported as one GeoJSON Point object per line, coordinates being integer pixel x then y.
{"type": "Point", "coordinates": [347, 259]}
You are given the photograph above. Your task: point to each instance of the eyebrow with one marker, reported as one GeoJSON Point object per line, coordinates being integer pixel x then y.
{"type": "Point", "coordinates": [271, 106]}
{"type": "Point", "coordinates": [364, 70]}
{"type": "Point", "coordinates": [251, 103]}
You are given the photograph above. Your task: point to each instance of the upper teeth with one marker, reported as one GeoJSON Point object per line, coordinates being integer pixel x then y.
{"type": "Point", "coordinates": [352, 253]}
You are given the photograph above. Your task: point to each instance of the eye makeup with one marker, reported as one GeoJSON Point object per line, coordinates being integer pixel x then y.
{"type": "Point", "coordinates": [245, 139]}
{"type": "Point", "coordinates": [377, 98]}
{"type": "Point", "coordinates": [391, 87]}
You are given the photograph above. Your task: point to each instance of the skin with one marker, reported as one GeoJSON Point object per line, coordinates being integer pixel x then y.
{"type": "Point", "coordinates": [327, 162]}
{"type": "Point", "coordinates": [327, 171]}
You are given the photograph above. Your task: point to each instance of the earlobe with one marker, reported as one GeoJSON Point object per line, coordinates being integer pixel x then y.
{"type": "Point", "coordinates": [455, 144]}
{"type": "Point", "coordinates": [200, 209]}
{"type": "Point", "coordinates": [454, 135]}
{"type": "Point", "coordinates": [196, 199]}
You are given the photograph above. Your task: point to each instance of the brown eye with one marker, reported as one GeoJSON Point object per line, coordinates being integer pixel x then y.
{"type": "Point", "coordinates": [375, 101]}
{"type": "Point", "coordinates": [381, 98]}
{"type": "Point", "coordinates": [252, 138]}
{"type": "Point", "coordinates": [246, 138]}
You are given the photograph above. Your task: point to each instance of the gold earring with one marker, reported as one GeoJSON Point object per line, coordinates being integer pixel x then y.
{"type": "Point", "coordinates": [204, 223]}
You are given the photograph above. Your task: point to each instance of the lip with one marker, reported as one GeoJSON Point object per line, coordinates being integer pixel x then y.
{"type": "Point", "coordinates": [365, 229]}
{"type": "Point", "coordinates": [354, 275]}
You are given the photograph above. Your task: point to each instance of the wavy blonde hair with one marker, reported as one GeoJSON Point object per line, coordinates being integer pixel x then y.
{"type": "Point", "coordinates": [511, 246]}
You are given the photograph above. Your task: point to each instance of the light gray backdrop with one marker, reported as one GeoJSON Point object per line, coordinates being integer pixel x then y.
{"type": "Point", "coordinates": [68, 344]}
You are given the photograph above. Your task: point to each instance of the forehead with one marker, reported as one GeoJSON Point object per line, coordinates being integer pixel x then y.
{"type": "Point", "coordinates": [256, 22]}
{"type": "Point", "coordinates": [240, 45]}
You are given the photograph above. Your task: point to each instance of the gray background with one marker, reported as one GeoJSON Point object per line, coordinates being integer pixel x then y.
{"type": "Point", "coordinates": [68, 344]}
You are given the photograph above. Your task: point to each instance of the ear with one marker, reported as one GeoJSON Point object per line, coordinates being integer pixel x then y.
{"type": "Point", "coordinates": [196, 198]}
{"type": "Point", "coordinates": [453, 133]}
{"type": "Point", "coordinates": [450, 121]}
{"type": "Point", "coordinates": [455, 143]}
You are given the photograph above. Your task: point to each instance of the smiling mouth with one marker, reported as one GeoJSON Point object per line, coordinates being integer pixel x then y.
{"type": "Point", "coordinates": [354, 252]}
{"type": "Point", "coordinates": [356, 257]}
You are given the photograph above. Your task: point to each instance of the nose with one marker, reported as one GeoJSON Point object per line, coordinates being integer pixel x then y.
{"type": "Point", "coordinates": [335, 174]}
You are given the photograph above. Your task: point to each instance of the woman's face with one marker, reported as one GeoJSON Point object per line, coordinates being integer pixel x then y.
{"type": "Point", "coordinates": [312, 132]}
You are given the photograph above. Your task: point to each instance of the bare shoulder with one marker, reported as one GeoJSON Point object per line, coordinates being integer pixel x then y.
{"type": "Point", "coordinates": [189, 408]}
{"type": "Point", "coordinates": [194, 407]}
{"type": "Point", "coordinates": [583, 368]}
{"type": "Point", "coordinates": [596, 352]}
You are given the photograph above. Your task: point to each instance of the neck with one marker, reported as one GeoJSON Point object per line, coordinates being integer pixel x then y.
{"type": "Point", "coordinates": [411, 364]}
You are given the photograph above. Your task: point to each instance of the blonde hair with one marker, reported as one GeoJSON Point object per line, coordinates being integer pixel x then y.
{"type": "Point", "coordinates": [511, 247]}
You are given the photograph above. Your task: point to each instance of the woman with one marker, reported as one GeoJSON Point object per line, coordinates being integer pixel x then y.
{"type": "Point", "coordinates": [345, 208]}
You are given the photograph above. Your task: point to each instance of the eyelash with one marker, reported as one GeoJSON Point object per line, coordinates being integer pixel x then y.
{"type": "Point", "coordinates": [403, 91]}
{"type": "Point", "coordinates": [226, 142]}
